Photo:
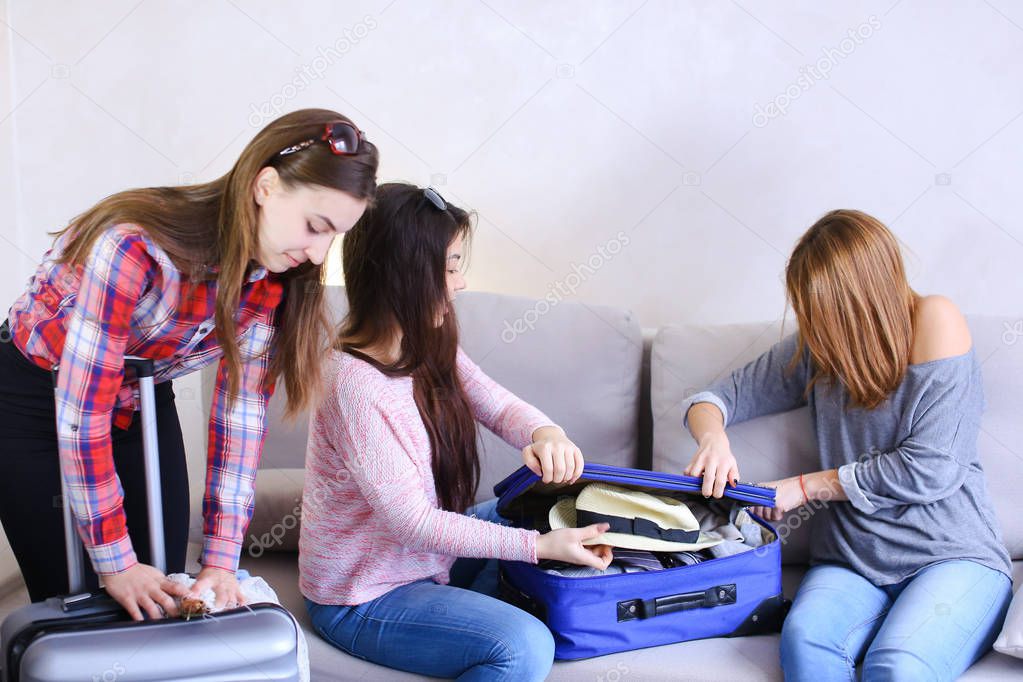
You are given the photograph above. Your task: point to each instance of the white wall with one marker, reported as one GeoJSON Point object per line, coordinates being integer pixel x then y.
{"type": "Point", "coordinates": [562, 124]}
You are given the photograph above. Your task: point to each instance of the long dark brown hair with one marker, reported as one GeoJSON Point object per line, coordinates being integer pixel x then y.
{"type": "Point", "coordinates": [395, 262]}
{"type": "Point", "coordinates": [847, 285]}
{"type": "Point", "coordinates": [214, 224]}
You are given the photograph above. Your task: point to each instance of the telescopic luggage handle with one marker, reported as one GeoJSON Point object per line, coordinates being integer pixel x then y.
{"type": "Point", "coordinates": [154, 493]}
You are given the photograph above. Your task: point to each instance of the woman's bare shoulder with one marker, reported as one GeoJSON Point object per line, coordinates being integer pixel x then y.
{"type": "Point", "coordinates": [939, 330]}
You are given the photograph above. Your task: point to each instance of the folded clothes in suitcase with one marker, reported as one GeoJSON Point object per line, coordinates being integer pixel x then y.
{"type": "Point", "coordinates": [89, 636]}
{"type": "Point", "coordinates": [717, 588]}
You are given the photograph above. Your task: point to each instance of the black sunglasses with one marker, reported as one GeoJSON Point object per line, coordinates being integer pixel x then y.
{"type": "Point", "coordinates": [434, 197]}
{"type": "Point", "coordinates": [343, 138]}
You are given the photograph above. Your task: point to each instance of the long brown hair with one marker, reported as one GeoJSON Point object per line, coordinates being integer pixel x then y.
{"type": "Point", "coordinates": [395, 261]}
{"type": "Point", "coordinates": [847, 285]}
{"type": "Point", "coordinates": [214, 224]}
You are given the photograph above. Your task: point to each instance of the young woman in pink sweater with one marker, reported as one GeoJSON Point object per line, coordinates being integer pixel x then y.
{"type": "Point", "coordinates": [392, 467]}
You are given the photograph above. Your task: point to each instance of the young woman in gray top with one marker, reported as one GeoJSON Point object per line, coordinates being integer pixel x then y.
{"type": "Point", "coordinates": [909, 577]}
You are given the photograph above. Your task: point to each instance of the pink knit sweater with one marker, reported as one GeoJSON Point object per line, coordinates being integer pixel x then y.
{"type": "Point", "coordinates": [370, 518]}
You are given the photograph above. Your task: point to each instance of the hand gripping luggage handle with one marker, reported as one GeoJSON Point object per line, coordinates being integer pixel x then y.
{"type": "Point", "coordinates": [154, 493]}
{"type": "Point", "coordinates": [639, 609]}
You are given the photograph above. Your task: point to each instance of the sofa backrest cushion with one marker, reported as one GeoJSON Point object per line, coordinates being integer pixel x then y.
{"type": "Point", "coordinates": [578, 363]}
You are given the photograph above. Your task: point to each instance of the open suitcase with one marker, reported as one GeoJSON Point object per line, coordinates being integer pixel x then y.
{"type": "Point", "coordinates": [592, 616]}
{"type": "Point", "coordinates": [89, 636]}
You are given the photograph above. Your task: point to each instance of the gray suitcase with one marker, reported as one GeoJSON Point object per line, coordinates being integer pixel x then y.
{"type": "Point", "coordinates": [88, 636]}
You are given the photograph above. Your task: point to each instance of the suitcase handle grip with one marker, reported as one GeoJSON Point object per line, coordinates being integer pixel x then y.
{"type": "Point", "coordinates": [143, 366]}
{"type": "Point", "coordinates": [640, 609]}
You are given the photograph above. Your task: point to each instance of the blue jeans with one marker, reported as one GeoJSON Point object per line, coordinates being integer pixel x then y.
{"type": "Point", "coordinates": [458, 630]}
{"type": "Point", "coordinates": [931, 626]}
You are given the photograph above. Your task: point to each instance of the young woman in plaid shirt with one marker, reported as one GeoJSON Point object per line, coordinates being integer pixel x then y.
{"type": "Point", "coordinates": [227, 271]}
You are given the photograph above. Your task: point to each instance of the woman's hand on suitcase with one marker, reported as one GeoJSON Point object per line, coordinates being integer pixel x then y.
{"type": "Point", "coordinates": [772, 514]}
{"type": "Point", "coordinates": [224, 584]}
{"type": "Point", "coordinates": [715, 462]}
{"type": "Point", "coordinates": [143, 588]}
{"type": "Point", "coordinates": [788, 495]}
{"type": "Point", "coordinates": [553, 457]}
{"type": "Point", "coordinates": [566, 544]}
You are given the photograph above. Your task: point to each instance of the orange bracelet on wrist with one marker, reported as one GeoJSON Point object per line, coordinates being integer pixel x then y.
{"type": "Point", "coordinates": [806, 498]}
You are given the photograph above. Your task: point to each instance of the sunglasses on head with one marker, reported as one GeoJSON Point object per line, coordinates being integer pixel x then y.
{"type": "Point", "coordinates": [343, 138]}
{"type": "Point", "coordinates": [434, 197]}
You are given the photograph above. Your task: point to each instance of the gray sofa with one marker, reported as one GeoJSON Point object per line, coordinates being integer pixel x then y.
{"type": "Point", "coordinates": [617, 392]}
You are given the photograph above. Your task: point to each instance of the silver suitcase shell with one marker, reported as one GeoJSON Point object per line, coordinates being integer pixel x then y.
{"type": "Point", "coordinates": [48, 644]}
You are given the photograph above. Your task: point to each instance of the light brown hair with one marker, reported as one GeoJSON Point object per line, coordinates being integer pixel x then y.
{"type": "Point", "coordinates": [847, 284]}
{"type": "Point", "coordinates": [215, 224]}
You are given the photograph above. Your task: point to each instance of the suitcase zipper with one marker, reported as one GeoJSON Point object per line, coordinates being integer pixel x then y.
{"type": "Point", "coordinates": [520, 481]}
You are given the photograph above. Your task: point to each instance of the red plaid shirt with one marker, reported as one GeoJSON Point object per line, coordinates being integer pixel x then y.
{"type": "Point", "coordinates": [129, 299]}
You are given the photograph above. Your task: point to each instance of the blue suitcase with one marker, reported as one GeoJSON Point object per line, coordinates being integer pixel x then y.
{"type": "Point", "coordinates": [592, 616]}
